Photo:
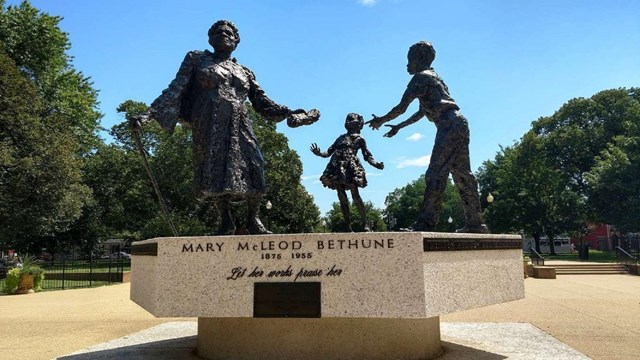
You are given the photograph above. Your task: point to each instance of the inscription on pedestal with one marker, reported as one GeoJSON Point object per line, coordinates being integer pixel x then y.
{"type": "Point", "coordinates": [286, 300]}
{"type": "Point", "coordinates": [461, 244]}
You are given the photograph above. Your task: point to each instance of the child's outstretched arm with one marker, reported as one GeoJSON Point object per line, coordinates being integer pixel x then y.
{"type": "Point", "coordinates": [368, 157]}
{"type": "Point", "coordinates": [395, 128]}
{"type": "Point", "coordinates": [413, 91]}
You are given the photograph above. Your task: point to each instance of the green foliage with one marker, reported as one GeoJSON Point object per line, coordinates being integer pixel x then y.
{"type": "Point", "coordinates": [294, 210]}
{"type": "Point", "coordinates": [48, 123]}
{"type": "Point", "coordinates": [12, 281]}
{"type": "Point", "coordinates": [403, 205]}
{"type": "Point", "coordinates": [615, 184]}
{"type": "Point", "coordinates": [574, 167]}
{"type": "Point", "coordinates": [126, 202]}
{"type": "Point", "coordinates": [135, 213]}
{"type": "Point", "coordinates": [529, 193]}
{"type": "Point", "coordinates": [41, 189]}
{"type": "Point", "coordinates": [614, 179]}
{"type": "Point", "coordinates": [38, 47]}
{"type": "Point", "coordinates": [29, 266]}
{"type": "Point", "coordinates": [581, 129]}
{"type": "Point", "coordinates": [335, 219]}
{"type": "Point", "coordinates": [33, 39]}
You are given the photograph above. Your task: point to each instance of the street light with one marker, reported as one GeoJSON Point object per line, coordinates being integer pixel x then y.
{"type": "Point", "coordinates": [268, 205]}
{"type": "Point", "coordinates": [489, 198]}
{"type": "Point", "coordinates": [450, 220]}
{"type": "Point", "coordinates": [391, 221]}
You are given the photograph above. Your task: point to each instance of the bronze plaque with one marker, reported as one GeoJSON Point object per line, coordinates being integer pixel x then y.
{"type": "Point", "coordinates": [448, 244]}
{"type": "Point", "coordinates": [145, 249]}
{"type": "Point", "coordinates": [286, 300]}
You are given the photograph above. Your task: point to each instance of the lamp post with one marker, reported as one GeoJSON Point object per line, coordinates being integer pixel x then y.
{"type": "Point", "coordinates": [489, 198]}
{"type": "Point", "coordinates": [324, 224]}
{"type": "Point", "coordinates": [268, 205]}
{"type": "Point", "coordinates": [391, 221]}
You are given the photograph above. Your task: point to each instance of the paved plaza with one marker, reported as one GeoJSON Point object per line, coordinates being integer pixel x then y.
{"type": "Point", "coordinates": [597, 315]}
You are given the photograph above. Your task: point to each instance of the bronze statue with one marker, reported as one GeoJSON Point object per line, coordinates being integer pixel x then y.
{"type": "Point", "coordinates": [209, 94]}
{"type": "Point", "coordinates": [344, 171]}
{"type": "Point", "coordinates": [450, 152]}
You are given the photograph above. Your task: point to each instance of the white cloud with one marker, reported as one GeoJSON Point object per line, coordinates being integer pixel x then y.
{"type": "Point", "coordinates": [422, 161]}
{"type": "Point", "coordinates": [368, 3]}
{"type": "Point", "coordinates": [415, 137]}
{"type": "Point", "coordinates": [309, 177]}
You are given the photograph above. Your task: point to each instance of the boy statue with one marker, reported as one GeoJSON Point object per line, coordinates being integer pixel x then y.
{"type": "Point", "coordinates": [451, 149]}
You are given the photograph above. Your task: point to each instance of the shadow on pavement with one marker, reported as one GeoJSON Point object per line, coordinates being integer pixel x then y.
{"type": "Point", "coordinates": [453, 351]}
{"type": "Point", "coordinates": [184, 348]}
{"type": "Point", "coordinates": [173, 349]}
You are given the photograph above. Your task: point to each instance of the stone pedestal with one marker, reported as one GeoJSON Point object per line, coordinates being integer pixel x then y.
{"type": "Point", "coordinates": [324, 296]}
{"type": "Point", "coordinates": [319, 339]}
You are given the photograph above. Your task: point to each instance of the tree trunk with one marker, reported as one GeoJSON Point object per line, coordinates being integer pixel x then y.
{"type": "Point", "coordinates": [552, 246]}
{"type": "Point", "coordinates": [536, 240]}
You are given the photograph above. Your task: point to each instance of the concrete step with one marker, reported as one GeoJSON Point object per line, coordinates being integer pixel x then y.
{"type": "Point", "coordinates": [589, 269]}
{"type": "Point", "coordinates": [600, 272]}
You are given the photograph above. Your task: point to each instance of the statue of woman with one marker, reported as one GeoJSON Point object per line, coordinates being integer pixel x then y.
{"type": "Point", "coordinates": [344, 171]}
{"type": "Point", "coordinates": [209, 94]}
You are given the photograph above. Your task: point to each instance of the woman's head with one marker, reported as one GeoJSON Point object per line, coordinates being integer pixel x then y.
{"type": "Point", "coordinates": [354, 122]}
{"type": "Point", "coordinates": [223, 36]}
{"type": "Point", "coordinates": [420, 57]}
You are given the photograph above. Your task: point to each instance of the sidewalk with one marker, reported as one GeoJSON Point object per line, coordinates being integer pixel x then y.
{"type": "Point", "coordinates": [597, 315]}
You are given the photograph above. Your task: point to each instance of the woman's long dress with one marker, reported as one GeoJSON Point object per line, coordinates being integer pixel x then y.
{"type": "Point", "coordinates": [344, 170]}
{"type": "Point", "coordinates": [210, 95]}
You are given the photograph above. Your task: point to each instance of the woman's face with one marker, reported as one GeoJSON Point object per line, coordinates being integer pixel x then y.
{"type": "Point", "coordinates": [223, 38]}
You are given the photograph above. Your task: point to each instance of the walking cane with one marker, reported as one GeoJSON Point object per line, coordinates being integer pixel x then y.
{"type": "Point", "coordinates": [143, 154]}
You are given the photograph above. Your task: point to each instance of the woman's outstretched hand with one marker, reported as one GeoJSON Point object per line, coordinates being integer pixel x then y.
{"type": "Point", "coordinates": [376, 122]}
{"type": "Point", "coordinates": [394, 130]}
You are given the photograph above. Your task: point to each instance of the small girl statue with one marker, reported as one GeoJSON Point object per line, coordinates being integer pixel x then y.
{"type": "Point", "coordinates": [344, 171]}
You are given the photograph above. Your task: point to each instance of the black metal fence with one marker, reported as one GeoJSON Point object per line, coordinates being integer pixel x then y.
{"type": "Point", "coordinates": [62, 272]}
{"type": "Point", "coordinates": [535, 257]}
{"type": "Point", "coordinates": [630, 242]}
{"type": "Point", "coordinates": [67, 274]}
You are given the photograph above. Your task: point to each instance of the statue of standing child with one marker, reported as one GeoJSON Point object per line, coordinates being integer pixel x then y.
{"type": "Point", "coordinates": [450, 152]}
{"type": "Point", "coordinates": [344, 171]}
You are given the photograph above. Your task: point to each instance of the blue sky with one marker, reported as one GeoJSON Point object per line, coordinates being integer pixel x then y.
{"type": "Point", "coordinates": [506, 63]}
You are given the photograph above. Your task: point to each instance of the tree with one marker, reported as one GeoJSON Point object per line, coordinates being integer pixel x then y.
{"type": "Point", "coordinates": [614, 184]}
{"type": "Point", "coordinates": [335, 219]}
{"type": "Point", "coordinates": [530, 194]}
{"type": "Point", "coordinates": [544, 184]}
{"type": "Point", "coordinates": [62, 129]}
{"type": "Point", "coordinates": [294, 210]}
{"type": "Point", "coordinates": [170, 158]}
{"type": "Point", "coordinates": [614, 178]}
{"type": "Point", "coordinates": [134, 213]}
{"type": "Point", "coordinates": [38, 47]}
{"type": "Point", "coordinates": [582, 128]}
{"type": "Point", "coordinates": [41, 189]}
{"type": "Point", "coordinates": [403, 205]}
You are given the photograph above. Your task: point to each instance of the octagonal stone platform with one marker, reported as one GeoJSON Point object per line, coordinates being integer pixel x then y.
{"type": "Point", "coordinates": [324, 296]}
